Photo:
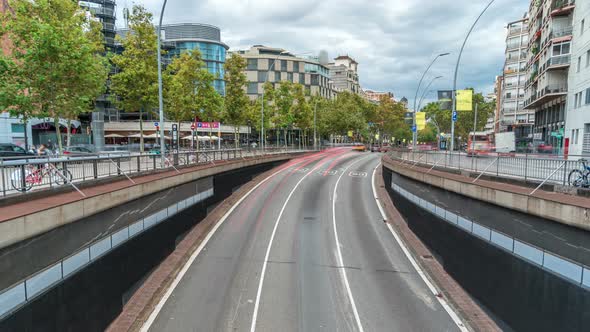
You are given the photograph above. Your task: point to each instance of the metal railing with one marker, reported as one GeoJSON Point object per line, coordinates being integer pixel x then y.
{"type": "Point", "coordinates": [20, 176]}
{"type": "Point", "coordinates": [534, 168]}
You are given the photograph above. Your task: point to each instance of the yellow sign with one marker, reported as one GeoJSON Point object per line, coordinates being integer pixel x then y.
{"type": "Point", "coordinates": [420, 120]}
{"type": "Point", "coordinates": [376, 136]}
{"type": "Point", "coordinates": [404, 140]}
{"type": "Point", "coordinates": [464, 100]}
{"type": "Point", "coordinates": [350, 133]}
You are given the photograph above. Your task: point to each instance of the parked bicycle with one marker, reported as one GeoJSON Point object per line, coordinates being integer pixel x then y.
{"type": "Point", "coordinates": [34, 175]}
{"type": "Point", "coordinates": [579, 177]}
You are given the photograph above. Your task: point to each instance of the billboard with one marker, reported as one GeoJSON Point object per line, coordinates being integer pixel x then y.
{"type": "Point", "coordinates": [464, 100]}
{"type": "Point", "coordinates": [420, 120]}
{"type": "Point", "coordinates": [445, 99]}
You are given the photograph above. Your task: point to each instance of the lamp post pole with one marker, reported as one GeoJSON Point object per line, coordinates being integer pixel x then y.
{"type": "Point", "coordinates": [315, 140]}
{"type": "Point", "coordinates": [426, 91]}
{"type": "Point", "coordinates": [160, 88]}
{"type": "Point", "coordinates": [415, 132]}
{"type": "Point", "coordinates": [455, 76]}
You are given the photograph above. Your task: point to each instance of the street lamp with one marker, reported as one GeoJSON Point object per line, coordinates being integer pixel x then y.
{"type": "Point", "coordinates": [415, 133]}
{"type": "Point", "coordinates": [270, 65]}
{"type": "Point", "coordinates": [426, 91]}
{"type": "Point", "coordinates": [455, 78]}
{"type": "Point", "coordinates": [160, 88]}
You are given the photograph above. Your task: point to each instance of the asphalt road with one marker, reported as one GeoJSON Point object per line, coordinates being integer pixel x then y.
{"type": "Point", "coordinates": [274, 264]}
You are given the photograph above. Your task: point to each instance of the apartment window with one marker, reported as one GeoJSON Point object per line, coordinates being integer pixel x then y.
{"type": "Point", "coordinates": [577, 135]}
{"type": "Point", "coordinates": [302, 78]}
{"type": "Point", "coordinates": [582, 26]}
{"type": "Point", "coordinates": [252, 88]}
{"type": "Point", "coordinates": [587, 96]}
{"type": "Point", "coordinates": [295, 66]}
{"type": "Point", "coordinates": [283, 65]}
{"type": "Point", "coordinates": [576, 100]}
{"type": "Point", "coordinates": [315, 80]}
{"type": "Point", "coordinates": [290, 77]}
{"type": "Point", "coordinates": [277, 76]}
{"type": "Point", "coordinates": [252, 64]}
{"type": "Point", "coordinates": [587, 58]}
{"type": "Point", "coordinates": [262, 75]}
{"type": "Point", "coordinates": [579, 63]}
{"type": "Point", "coordinates": [561, 49]}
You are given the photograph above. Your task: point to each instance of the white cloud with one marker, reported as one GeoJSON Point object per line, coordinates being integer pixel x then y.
{"type": "Point", "coordinates": [393, 40]}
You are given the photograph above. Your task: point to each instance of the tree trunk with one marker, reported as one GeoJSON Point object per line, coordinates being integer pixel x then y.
{"type": "Point", "coordinates": [141, 131]}
{"type": "Point", "coordinates": [68, 133]}
{"type": "Point", "coordinates": [286, 141]}
{"type": "Point", "coordinates": [58, 133]}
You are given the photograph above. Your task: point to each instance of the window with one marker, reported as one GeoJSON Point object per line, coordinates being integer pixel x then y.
{"type": "Point", "coordinates": [290, 77]}
{"type": "Point", "coordinates": [579, 63]}
{"type": "Point", "coordinates": [262, 75]}
{"type": "Point", "coordinates": [315, 80]}
{"type": "Point", "coordinates": [277, 76]}
{"type": "Point", "coordinates": [582, 27]}
{"type": "Point", "coordinates": [17, 127]}
{"type": "Point", "coordinates": [252, 64]}
{"type": "Point", "coordinates": [283, 65]}
{"type": "Point", "coordinates": [587, 96]}
{"type": "Point", "coordinates": [302, 79]}
{"type": "Point", "coordinates": [577, 135]}
{"type": "Point", "coordinates": [253, 88]}
{"type": "Point", "coordinates": [295, 67]}
{"type": "Point", "coordinates": [561, 49]}
{"type": "Point", "coordinates": [576, 100]}
{"type": "Point", "coordinates": [587, 58]}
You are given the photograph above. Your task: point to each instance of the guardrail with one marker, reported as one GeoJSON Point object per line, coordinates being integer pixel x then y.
{"type": "Point", "coordinates": [532, 168]}
{"type": "Point", "coordinates": [24, 175]}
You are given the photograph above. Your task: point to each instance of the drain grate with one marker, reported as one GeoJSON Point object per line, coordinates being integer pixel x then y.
{"type": "Point", "coordinates": [427, 256]}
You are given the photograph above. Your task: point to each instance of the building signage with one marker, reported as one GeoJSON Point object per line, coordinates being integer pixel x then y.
{"type": "Point", "coordinates": [208, 125]}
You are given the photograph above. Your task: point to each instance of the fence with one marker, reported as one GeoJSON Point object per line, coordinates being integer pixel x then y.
{"type": "Point", "coordinates": [21, 176]}
{"type": "Point", "coordinates": [568, 269]}
{"type": "Point", "coordinates": [530, 168]}
{"type": "Point", "coordinates": [19, 294]}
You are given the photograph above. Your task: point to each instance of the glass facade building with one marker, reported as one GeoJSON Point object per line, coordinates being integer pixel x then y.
{"type": "Point", "coordinates": [179, 38]}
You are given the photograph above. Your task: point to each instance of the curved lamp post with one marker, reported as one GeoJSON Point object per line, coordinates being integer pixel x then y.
{"type": "Point", "coordinates": [160, 98]}
{"type": "Point", "coordinates": [415, 133]}
{"type": "Point", "coordinates": [457, 69]}
{"type": "Point", "coordinates": [426, 91]}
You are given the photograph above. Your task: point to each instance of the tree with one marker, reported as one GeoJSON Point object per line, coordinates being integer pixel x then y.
{"type": "Point", "coordinates": [136, 83]}
{"type": "Point", "coordinates": [302, 113]}
{"type": "Point", "coordinates": [57, 67]}
{"type": "Point", "coordinates": [283, 117]}
{"type": "Point", "coordinates": [189, 90]}
{"type": "Point", "coordinates": [236, 100]}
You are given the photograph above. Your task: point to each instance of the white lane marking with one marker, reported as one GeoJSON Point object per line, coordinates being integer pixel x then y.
{"type": "Point", "coordinates": [454, 316]}
{"type": "Point", "coordinates": [338, 245]}
{"type": "Point", "coordinates": [267, 255]}
{"type": "Point", "coordinates": [152, 318]}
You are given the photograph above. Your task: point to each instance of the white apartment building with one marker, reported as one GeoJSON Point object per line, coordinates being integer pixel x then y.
{"type": "Point", "coordinates": [513, 116]}
{"type": "Point", "coordinates": [577, 124]}
{"type": "Point", "coordinates": [548, 67]}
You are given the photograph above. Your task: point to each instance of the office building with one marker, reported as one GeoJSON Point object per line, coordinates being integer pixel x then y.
{"type": "Point", "coordinates": [548, 68]}
{"type": "Point", "coordinates": [577, 118]}
{"type": "Point", "coordinates": [513, 115]}
{"type": "Point", "coordinates": [375, 96]}
{"type": "Point", "coordinates": [344, 74]}
{"type": "Point", "coordinates": [267, 64]}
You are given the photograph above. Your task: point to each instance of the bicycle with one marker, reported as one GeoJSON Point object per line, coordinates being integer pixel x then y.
{"type": "Point", "coordinates": [35, 175]}
{"type": "Point", "coordinates": [579, 178]}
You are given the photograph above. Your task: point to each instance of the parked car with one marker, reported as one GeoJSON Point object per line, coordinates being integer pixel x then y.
{"type": "Point", "coordinates": [384, 148]}
{"type": "Point", "coordinates": [13, 151]}
{"type": "Point", "coordinates": [375, 148]}
{"type": "Point", "coordinates": [544, 148]}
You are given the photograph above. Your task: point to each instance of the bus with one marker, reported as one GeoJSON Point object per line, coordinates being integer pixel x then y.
{"type": "Point", "coordinates": [480, 143]}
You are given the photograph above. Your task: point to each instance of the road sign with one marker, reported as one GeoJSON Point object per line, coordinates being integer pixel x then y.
{"type": "Point", "coordinates": [156, 124]}
{"type": "Point", "coordinates": [414, 128]}
{"type": "Point", "coordinates": [455, 116]}
{"type": "Point", "coordinates": [193, 126]}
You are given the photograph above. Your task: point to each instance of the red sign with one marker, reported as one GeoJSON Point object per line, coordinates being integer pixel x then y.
{"type": "Point", "coordinates": [193, 126]}
{"type": "Point", "coordinates": [208, 125]}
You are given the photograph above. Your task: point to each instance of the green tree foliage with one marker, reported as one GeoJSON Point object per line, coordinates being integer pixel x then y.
{"type": "Point", "coordinates": [136, 82]}
{"type": "Point", "coordinates": [464, 124]}
{"type": "Point", "coordinates": [57, 67]}
{"type": "Point", "coordinates": [236, 100]}
{"type": "Point", "coordinates": [302, 112]}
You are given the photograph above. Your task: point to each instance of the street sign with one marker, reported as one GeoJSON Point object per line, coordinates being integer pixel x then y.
{"type": "Point", "coordinates": [208, 125]}
{"type": "Point", "coordinates": [455, 116]}
{"type": "Point", "coordinates": [414, 128]}
{"type": "Point", "coordinates": [156, 124]}
{"type": "Point", "coordinates": [193, 126]}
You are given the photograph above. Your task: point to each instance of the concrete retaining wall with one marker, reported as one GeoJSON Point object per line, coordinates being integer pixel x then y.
{"type": "Point", "coordinates": [572, 215]}
{"type": "Point", "coordinates": [30, 225]}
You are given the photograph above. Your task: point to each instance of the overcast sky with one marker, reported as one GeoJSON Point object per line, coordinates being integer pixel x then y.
{"type": "Point", "coordinates": [393, 40]}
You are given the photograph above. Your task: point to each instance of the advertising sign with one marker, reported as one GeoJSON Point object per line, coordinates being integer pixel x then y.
{"type": "Point", "coordinates": [208, 125]}
{"type": "Point", "coordinates": [445, 100]}
{"type": "Point", "coordinates": [421, 120]}
{"type": "Point", "coordinates": [464, 100]}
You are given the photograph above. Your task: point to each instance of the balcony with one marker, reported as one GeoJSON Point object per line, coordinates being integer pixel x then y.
{"type": "Point", "coordinates": [563, 32]}
{"type": "Point", "coordinates": [516, 31]}
{"type": "Point", "coordinates": [545, 95]}
{"type": "Point", "coordinates": [558, 62]}
{"type": "Point", "coordinates": [562, 7]}
{"type": "Point", "coordinates": [108, 27]}
{"type": "Point", "coordinates": [101, 11]}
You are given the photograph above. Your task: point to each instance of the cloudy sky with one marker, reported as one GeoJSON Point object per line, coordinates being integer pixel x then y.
{"type": "Point", "coordinates": [393, 40]}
